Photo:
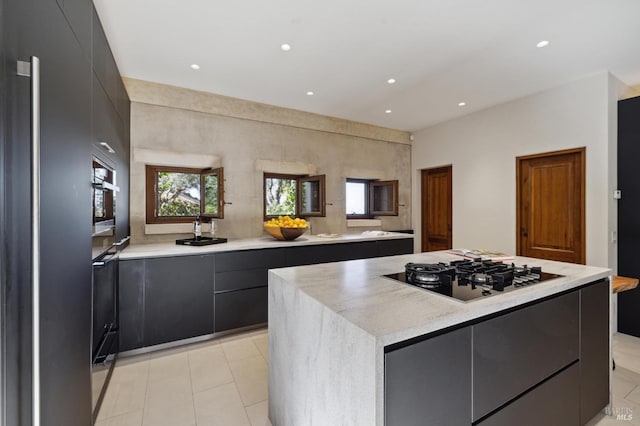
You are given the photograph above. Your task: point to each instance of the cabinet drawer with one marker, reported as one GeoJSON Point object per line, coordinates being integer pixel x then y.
{"type": "Point", "coordinates": [307, 255]}
{"type": "Point", "coordinates": [238, 280]}
{"type": "Point", "coordinates": [556, 402]}
{"type": "Point", "coordinates": [515, 351]}
{"type": "Point", "coordinates": [240, 308]}
{"type": "Point", "coordinates": [395, 247]}
{"type": "Point", "coordinates": [250, 259]}
{"type": "Point", "coordinates": [434, 392]}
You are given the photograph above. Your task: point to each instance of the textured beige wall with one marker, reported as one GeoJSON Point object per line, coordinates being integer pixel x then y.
{"type": "Point", "coordinates": [245, 144]}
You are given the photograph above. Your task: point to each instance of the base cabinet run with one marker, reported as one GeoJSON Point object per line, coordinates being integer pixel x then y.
{"type": "Point", "coordinates": [174, 298]}
{"type": "Point", "coordinates": [543, 364]}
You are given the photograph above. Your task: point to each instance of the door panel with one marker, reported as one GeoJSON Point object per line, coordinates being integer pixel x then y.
{"type": "Point", "coordinates": [436, 209]}
{"type": "Point", "coordinates": [551, 206]}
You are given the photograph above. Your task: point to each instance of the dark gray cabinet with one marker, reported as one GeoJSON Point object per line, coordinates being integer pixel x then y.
{"type": "Point", "coordinates": [428, 383]}
{"type": "Point", "coordinates": [542, 364]}
{"type": "Point", "coordinates": [60, 34]}
{"type": "Point", "coordinates": [394, 247]}
{"type": "Point", "coordinates": [308, 255]}
{"type": "Point", "coordinates": [242, 308]}
{"type": "Point", "coordinates": [628, 207]}
{"type": "Point", "coordinates": [78, 14]}
{"type": "Point", "coordinates": [594, 349]}
{"type": "Point", "coordinates": [40, 28]}
{"type": "Point", "coordinates": [178, 297]}
{"type": "Point", "coordinates": [241, 281]}
{"type": "Point", "coordinates": [556, 402]}
{"type": "Point", "coordinates": [175, 298]}
{"type": "Point", "coordinates": [165, 299]}
{"type": "Point", "coordinates": [131, 304]}
{"type": "Point", "coordinates": [515, 351]}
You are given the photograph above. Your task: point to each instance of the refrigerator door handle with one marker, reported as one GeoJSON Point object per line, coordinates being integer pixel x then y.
{"type": "Point", "coordinates": [32, 70]}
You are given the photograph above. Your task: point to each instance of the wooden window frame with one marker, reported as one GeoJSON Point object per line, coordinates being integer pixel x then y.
{"type": "Point", "coordinates": [371, 184]}
{"type": "Point", "coordinates": [367, 199]}
{"type": "Point", "coordinates": [298, 204]}
{"type": "Point", "coordinates": [151, 176]}
{"type": "Point", "coordinates": [394, 188]}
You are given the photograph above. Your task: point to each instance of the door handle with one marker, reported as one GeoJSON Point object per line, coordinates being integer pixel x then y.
{"type": "Point", "coordinates": [32, 70]}
{"type": "Point", "coordinates": [524, 232]}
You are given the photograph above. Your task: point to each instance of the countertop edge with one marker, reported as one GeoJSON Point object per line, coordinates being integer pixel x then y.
{"type": "Point", "coordinates": [385, 304]}
{"type": "Point", "coordinates": [168, 249]}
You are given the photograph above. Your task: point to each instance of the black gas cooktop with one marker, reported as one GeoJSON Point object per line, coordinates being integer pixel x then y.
{"type": "Point", "coordinates": [471, 278]}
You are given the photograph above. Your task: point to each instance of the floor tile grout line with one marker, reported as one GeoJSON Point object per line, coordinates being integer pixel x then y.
{"type": "Point", "coordinates": [193, 397]}
{"type": "Point", "coordinates": [146, 390]}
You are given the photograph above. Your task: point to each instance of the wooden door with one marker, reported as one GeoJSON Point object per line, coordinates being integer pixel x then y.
{"type": "Point", "coordinates": [436, 209]}
{"type": "Point", "coordinates": [550, 206]}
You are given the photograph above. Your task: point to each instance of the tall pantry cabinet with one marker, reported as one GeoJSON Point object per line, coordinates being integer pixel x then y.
{"type": "Point", "coordinates": [629, 212]}
{"type": "Point", "coordinates": [60, 34]}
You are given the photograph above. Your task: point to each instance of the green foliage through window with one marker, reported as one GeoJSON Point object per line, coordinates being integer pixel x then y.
{"type": "Point", "coordinates": [176, 194]}
{"type": "Point", "coordinates": [280, 196]}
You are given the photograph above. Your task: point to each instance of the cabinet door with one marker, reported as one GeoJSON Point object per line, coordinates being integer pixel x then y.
{"type": "Point", "coordinates": [594, 349]}
{"type": "Point", "coordinates": [517, 350]}
{"type": "Point", "coordinates": [131, 304]}
{"type": "Point", "coordinates": [240, 308]}
{"type": "Point", "coordinates": [78, 13]}
{"type": "Point", "coordinates": [250, 259]}
{"type": "Point", "coordinates": [107, 127]}
{"type": "Point", "coordinates": [628, 207]}
{"type": "Point", "coordinates": [429, 383]}
{"type": "Point", "coordinates": [395, 247]}
{"type": "Point", "coordinates": [555, 402]}
{"type": "Point", "coordinates": [39, 28]}
{"type": "Point", "coordinates": [238, 280]}
{"type": "Point", "coordinates": [178, 298]}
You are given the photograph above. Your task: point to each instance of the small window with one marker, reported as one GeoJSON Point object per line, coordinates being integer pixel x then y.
{"type": "Point", "coordinates": [178, 194]}
{"type": "Point", "coordinates": [367, 198]}
{"type": "Point", "coordinates": [293, 195]}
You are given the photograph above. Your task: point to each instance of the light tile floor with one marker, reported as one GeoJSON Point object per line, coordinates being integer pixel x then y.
{"type": "Point", "coordinates": [625, 407]}
{"type": "Point", "coordinates": [224, 383]}
{"type": "Point", "coordinates": [220, 382]}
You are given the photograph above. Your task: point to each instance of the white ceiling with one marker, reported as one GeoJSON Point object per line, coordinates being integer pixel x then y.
{"type": "Point", "coordinates": [441, 52]}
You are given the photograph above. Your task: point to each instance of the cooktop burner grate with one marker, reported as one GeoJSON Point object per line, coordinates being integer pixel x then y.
{"type": "Point", "coordinates": [471, 278]}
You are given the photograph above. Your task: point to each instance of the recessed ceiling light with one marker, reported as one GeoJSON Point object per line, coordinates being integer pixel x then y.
{"type": "Point", "coordinates": [462, 103]}
{"type": "Point", "coordinates": [195, 66]}
{"type": "Point", "coordinates": [543, 43]}
{"type": "Point", "coordinates": [285, 47]}
{"type": "Point", "coordinates": [391, 80]}
{"type": "Point", "coordinates": [387, 111]}
{"type": "Point", "coordinates": [310, 93]}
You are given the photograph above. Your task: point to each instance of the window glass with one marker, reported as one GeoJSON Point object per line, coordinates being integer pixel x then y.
{"type": "Point", "coordinates": [178, 194]}
{"type": "Point", "coordinates": [383, 198]}
{"type": "Point", "coordinates": [356, 198]}
{"type": "Point", "coordinates": [211, 194]}
{"type": "Point", "coordinates": [309, 196]}
{"type": "Point", "coordinates": [280, 196]}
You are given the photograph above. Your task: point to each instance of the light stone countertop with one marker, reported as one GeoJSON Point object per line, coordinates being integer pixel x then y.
{"type": "Point", "coordinates": [392, 311]}
{"type": "Point", "coordinates": [141, 251]}
{"type": "Point", "coordinates": [329, 325]}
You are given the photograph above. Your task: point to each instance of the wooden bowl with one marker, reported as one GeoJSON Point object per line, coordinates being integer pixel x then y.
{"type": "Point", "coordinates": [284, 234]}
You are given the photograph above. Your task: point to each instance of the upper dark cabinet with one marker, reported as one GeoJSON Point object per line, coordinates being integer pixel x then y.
{"type": "Point", "coordinates": [78, 14]}
{"type": "Point", "coordinates": [105, 68]}
{"type": "Point", "coordinates": [108, 129]}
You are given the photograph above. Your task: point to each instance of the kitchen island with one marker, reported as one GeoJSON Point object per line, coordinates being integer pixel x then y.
{"type": "Point", "coordinates": [349, 346]}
